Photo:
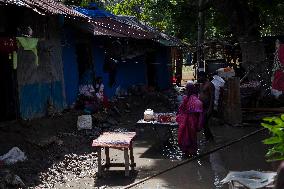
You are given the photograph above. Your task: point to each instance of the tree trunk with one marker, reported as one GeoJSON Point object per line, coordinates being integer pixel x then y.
{"type": "Point", "coordinates": [200, 40]}
{"type": "Point", "coordinates": [253, 56]}
{"type": "Point", "coordinates": [244, 23]}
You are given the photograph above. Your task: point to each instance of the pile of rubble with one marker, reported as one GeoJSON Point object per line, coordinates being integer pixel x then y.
{"type": "Point", "coordinates": [73, 167]}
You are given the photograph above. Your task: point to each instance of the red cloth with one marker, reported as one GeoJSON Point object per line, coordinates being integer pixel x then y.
{"type": "Point", "coordinates": [278, 81]}
{"type": "Point", "coordinates": [190, 119]}
{"type": "Point", "coordinates": [8, 45]}
{"type": "Point", "coordinates": [281, 54]}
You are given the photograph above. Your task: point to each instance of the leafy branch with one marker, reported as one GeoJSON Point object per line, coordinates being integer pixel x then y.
{"type": "Point", "coordinates": [276, 127]}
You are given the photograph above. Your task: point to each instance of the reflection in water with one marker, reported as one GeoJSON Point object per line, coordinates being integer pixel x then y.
{"type": "Point", "coordinates": [170, 148]}
{"type": "Point", "coordinates": [217, 166]}
{"type": "Point", "coordinates": [172, 151]}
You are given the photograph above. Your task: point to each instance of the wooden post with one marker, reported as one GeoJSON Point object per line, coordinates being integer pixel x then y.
{"type": "Point", "coordinates": [232, 102]}
{"type": "Point", "coordinates": [131, 157]}
{"type": "Point", "coordinates": [107, 157]}
{"type": "Point", "coordinates": [99, 162]}
{"type": "Point", "coordinates": [200, 37]}
{"type": "Point", "coordinates": [126, 157]}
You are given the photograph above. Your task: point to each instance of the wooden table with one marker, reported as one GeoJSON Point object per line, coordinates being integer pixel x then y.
{"type": "Point", "coordinates": [117, 140]}
{"type": "Point", "coordinates": [155, 125]}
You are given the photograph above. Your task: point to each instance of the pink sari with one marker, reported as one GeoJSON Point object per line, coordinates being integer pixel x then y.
{"type": "Point", "coordinates": [190, 119]}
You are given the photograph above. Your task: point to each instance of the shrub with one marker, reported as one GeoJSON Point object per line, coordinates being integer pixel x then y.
{"type": "Point", "coordinates": [276, 127]}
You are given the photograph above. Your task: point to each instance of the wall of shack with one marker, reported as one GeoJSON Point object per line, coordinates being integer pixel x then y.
{"type": "Point", "coordinates": [42, 84]}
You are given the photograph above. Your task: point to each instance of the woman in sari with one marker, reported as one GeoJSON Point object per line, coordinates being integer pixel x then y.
{"type": "Point", "coordinates": [190, 119]}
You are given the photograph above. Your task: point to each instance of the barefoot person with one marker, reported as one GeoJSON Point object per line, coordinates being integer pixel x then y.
{"type": "Point", "coordinates": [190, 120]}
{"type": "Point", "coordinates": [207, 96]}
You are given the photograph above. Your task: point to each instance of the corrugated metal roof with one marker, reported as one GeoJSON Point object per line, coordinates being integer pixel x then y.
{"type": "Point", "coordinates": [104, 23]}
{"type": "Point", "coordinates": [97, 30]}
{"type": "Point", "coordinates": [133, 21]}
{"type": "Point", "coordinates": [160, 37]}
{"type": "Point", "coordinates": [45, 7]}
{"type": "Point", "coordinates": [122, 28]}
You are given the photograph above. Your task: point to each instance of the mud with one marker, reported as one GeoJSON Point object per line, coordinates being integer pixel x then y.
{"type": "Point", "coordinates": [59, 156]}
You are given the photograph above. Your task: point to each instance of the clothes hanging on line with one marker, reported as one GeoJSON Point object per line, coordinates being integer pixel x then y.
{"type": "Point", "coordinates": [29, 44]}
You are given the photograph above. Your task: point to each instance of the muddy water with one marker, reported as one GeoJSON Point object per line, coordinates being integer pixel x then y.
{"type": "Point", "coordinates": [208, 171]}
{"type": "Point", "coordinates": [166, 145]}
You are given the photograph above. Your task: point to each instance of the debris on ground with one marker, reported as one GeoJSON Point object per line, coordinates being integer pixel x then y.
{"type": "Point", "coordinates": [58, 152]}
{"type": "Point", "coordinates": [84, 122]}
{"type": "Point", "coordinates": [8, 180]}
{"type": "Point", "coordinates": [13, 156]}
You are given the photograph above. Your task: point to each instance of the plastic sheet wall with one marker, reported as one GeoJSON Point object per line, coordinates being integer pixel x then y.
{"type": "Point", "coordinates": [70, 66]}
{"type": "Point", "coordinates": [41, 84]}
{"type": "Point", "coordinates": [163, 68]}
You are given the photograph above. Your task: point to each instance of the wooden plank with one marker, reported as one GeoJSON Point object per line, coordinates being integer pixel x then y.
{"type": "Point", "coordinates": [99, 161]}
{"type": "Point", "coordinates": [126, 157]}
{"type": "Point", "coordinates": [114, 139]}
{"type": "Point", "coordinates": [117, 165]}
{"type": "Point", "coordinates": [107, 155]}
{"type": "Point", "coordinates": [131, 157]}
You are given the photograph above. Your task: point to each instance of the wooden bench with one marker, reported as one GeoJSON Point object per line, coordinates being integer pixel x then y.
{"type": "Point", "coordinates": [116, 140]}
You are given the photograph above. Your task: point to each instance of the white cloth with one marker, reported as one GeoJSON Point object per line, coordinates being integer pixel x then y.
{"type": "Point", "coordinates": [251, 179]}
{"type": "Point", "coordinates": [86, 90]}
{"type": "Point", "coordinates": [218, 82]}
{"type": "Point", "coordinates": [100, 93]}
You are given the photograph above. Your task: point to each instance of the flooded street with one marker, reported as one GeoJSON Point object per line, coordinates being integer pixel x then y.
{"type": "Point", "coordinates": [234, 148]}
{"type": "Point", "coordinates": [208, 171]}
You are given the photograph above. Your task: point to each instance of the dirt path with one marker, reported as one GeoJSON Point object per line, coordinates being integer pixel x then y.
{"type": "Point", "coordinates": [60, 156]}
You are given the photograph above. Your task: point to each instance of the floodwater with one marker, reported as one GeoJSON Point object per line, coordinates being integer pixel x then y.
{"type": "Point", "coordinates": [208, 171]}
{"type": "Point", "coordinates": [154, 152]}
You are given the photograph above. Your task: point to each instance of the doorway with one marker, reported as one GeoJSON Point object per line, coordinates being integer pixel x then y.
{"type": "Point", "coordinates": [85, 62]}
{"type": "Point", "coordinates": [151, 69]}
{"type": "Point", "coordinates": [8, 85]}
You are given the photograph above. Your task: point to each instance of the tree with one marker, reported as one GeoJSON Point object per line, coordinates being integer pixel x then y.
{"type": "Point", "coordinates": [244, 20]}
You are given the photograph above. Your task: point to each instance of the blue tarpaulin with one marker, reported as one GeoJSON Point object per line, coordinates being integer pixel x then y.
{"type": "Point", "coordinates": [93, 11]}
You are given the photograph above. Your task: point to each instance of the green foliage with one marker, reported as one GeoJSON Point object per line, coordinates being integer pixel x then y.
{"type": "Point", "coordinates": [271, 15]}
{"type": "Point", "coordinates": [276, 126]}
{"type": "Point", "coordinates": [179, 17]}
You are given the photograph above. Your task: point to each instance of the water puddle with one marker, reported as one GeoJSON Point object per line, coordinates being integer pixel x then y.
{"type": "Point", "coordinates": [171, 150]}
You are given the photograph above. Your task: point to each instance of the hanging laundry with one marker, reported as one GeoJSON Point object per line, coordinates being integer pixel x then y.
{"type": "Point", "coordinates": [29, 44]}
{"type": "Point", "coordinates": [8, 45]}
{"type": "Point", "coordinates": [15, 60]}
{"type": "Point", "coordinates": [278, 81]}
{"type": "Point", "coordinates": [278, 75]}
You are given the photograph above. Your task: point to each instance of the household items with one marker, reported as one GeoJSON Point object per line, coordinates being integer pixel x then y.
{"type": "Point", "coordinates": [165, 117]}
{"type": "Point", "coordinates": [250, 88]}
{"type": "Point", "coordinates": [226, 72]}
{"type": "Point", "coordinates": [148, 115]}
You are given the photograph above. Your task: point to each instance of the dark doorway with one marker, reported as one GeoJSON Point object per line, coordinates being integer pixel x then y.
{"type": "Point", "coordinates": [84, 59]}
{"type": "Point", "coordinates": [8, 85]}
{"type": "Point", "coordinates": [151, 69]}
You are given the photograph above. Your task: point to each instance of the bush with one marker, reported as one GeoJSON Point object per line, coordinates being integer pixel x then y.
{"type": "Point", "coordinates": [276, 127]}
